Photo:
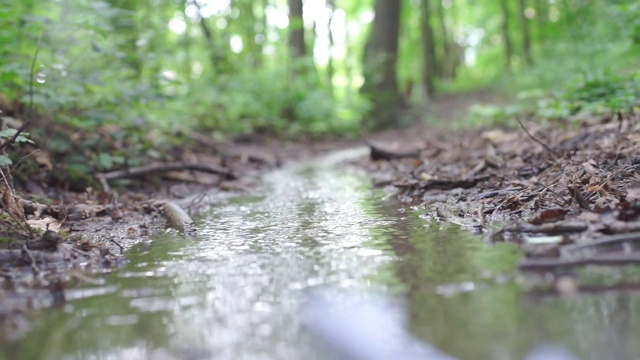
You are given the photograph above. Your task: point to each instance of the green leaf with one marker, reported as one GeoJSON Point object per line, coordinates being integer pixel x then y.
{"type": "Point", "coordinates": [105, 161]}
{"type": "Point", "coordinates": [7, 133]}
{"type": "Point", "coordinates": [4, 160]}
{"type": "Point", "coordinates": [23, 139]}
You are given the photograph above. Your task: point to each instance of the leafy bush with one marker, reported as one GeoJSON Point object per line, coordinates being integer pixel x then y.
{"type": "Point", "coordinates": [272, 100]}
{"type": "Point", "coordinates": [589, 94]}
{"type": "Point", "coordinates": [600, 92]}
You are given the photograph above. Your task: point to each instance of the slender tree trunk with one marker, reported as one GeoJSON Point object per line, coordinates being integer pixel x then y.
{"type": "Point", "coordinates": [330, 69]}
{"type": "Point", "coordinates": [349, 59]}
{"type": "Point", "coordinates": [217, 51]}
{"type": "Point", "coordinates": [541, 16]}
{"type": "Point", "coordinates": [128, 30]}
{"type": "Point", "coordinates": [526, 36]}
{"type": "Point", "coordinates": [248, 22]}
{"type": "Point", "coordinates": [297, 46]}
{"type": "Point", "coordinates": [379, 65]}
{"type": "Point", "coordinates": [445, 41]}
{"type": "Point", "coordinates": [508, 46]}
{"type": "Point", "coordinates": [428, 41]}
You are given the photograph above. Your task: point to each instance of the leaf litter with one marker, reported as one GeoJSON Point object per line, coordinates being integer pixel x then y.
{"type": "Point", "coordinates": [568, 195]}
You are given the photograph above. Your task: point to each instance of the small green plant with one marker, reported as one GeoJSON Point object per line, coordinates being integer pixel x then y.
{"type": "Point", "coordinates": [588, 94]}
{"type": "Point", "coordinates": [8, 136]}
{"type": "Point", "coordinates": [601, 91]}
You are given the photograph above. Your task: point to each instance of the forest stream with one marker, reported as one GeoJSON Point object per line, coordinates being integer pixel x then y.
{"type": "Point", "coordinates": [268, 273]}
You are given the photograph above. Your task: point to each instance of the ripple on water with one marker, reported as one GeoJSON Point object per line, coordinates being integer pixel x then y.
{"type": "Point", "coordinates": [237, 292]}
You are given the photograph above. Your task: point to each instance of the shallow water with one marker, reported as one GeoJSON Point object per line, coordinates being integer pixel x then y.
{"type": "Point", "coordinates": [241, 289]}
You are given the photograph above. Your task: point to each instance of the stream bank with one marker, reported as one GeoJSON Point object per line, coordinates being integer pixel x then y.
{"type": "Point", "coordinates": [240, 289]}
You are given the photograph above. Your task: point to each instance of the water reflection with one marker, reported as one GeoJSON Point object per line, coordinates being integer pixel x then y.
{"type": "Point", "coordinates": [236, 292]}
{"type": "Point", "coordinates": [481, 316]}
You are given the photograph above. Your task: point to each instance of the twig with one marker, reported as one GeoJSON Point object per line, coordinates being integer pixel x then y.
{"type": "Point", "coordinates": [570, 250]}
{"type": "Point", "coordinates": [85, 278]}
{"type": "Point", "coordinates": [24, 157]}
{"type": "Point", "coordinates": [118, 245]}
{"type": "Point", "coordinates": [553, 152]}
{"type": "Point", "coordinates": [34, 266]}
{"type": "Point", "coordinates": [579, 198]}
{"type": "Point", "coordinates": [614, 174]}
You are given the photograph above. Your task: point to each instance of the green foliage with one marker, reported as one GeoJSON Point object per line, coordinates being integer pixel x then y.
{"type": "Point", "coordinates": [601, 92]}
{"type": "Point", "coordinates": [588, 95]}
{"type": "Point", "coordinates": [7, 135]}
{"type": "Point", "coordinates": [273, 100]}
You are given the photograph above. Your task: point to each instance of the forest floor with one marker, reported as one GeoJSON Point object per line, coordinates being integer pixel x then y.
{"type": "Point", "coordinates": [569, 195]}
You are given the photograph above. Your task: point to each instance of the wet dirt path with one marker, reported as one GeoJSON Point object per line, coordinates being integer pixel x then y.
{"type": "Point", "coordinates": [240, 290]}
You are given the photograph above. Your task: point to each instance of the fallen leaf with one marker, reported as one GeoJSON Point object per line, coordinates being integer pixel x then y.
{"type": "Point", "coordinates": [548, 215]}
{"type": "Point", "coordinates": [48, 223]}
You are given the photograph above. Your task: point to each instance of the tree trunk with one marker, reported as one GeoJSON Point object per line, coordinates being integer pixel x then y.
{"type": "Point", "coordinates": [128, 31]}
{"type": "Point", "coordinates": [445, 41]}
{"type": "Point", "coordinates": [248, 22]}
{"type": "Point", "coordinates": [330, 69]}
{"type": "Point", "coordinates": [526, 36]}
{"type": "Point", "coordinates": [428, 41]}
{"type": "Point", "coordinates": [508, 46]}
{"type": "Point", "coordinates": [379, 65]}
{"type": "Point", "coordinates": [297, 47]}
{"type": "Point", "coordinates": [216, 50]}
{"type": "Point", "coordinates": [541, 16]}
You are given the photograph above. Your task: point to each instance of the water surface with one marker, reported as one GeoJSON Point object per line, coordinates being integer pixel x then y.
{"type": "Point", "coordinates": [238, 291]}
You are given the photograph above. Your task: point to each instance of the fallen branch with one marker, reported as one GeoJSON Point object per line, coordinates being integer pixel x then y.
{"type": "Point", "coordinates": [619, 239]}
{"type": "Point", "coordinates": [494, 193]}
{"type": "Point", "coordinates": [453, 184]}
{"type": "Point", "coordinates": [559, 263]}
{"type": "Point", "coordinates": [160, 168]}
{"type": "Point", "coordinates": [553, 152]}
{"type": "Point", "coordinates": [549, 228]}
{"type": "Point", "coordinates": [38, 256]}
{"type": "Point", "coordinates": [442, 184]}
{"type": "Point", "coordinates": [33, 207]}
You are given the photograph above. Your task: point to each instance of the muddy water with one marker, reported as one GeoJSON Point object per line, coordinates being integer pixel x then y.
{"type": "Point", "coordinates": [241, 290]}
